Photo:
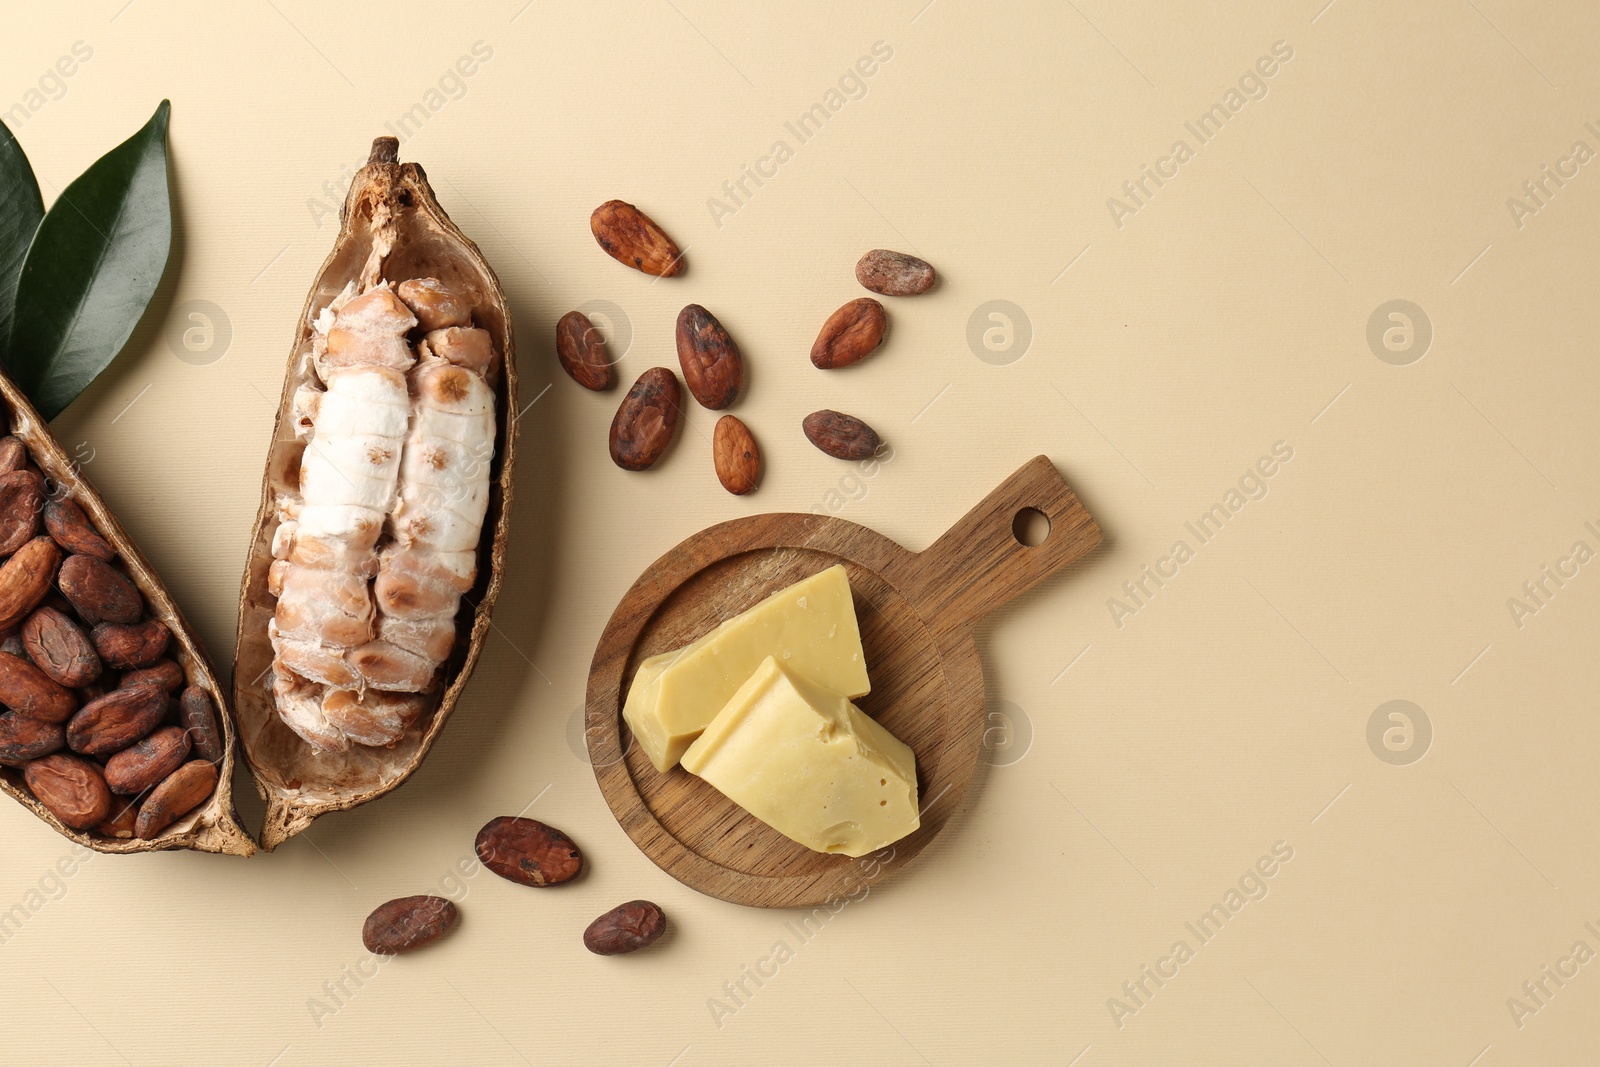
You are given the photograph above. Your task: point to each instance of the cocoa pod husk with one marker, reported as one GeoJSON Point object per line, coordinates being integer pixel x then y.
{"type": "Point", "coordinates": [646, 420]}
{"type": "Point", "coordinates": [528, 851]}
{"type": "Point", "coordinates": [841, 436]}
{"type": "Point", "coordinates": [735, 456]}
{"type": "Point", "coordinates": [143, 765]}
{"type": "Point", "coordinates": [850, 334]}
{"type": "Point", "coordinates": [70, 528]}
{"type": "Point", "coordinates": [25, 579]}
{"type": "Point", "coordinates": [116, 720]}
{"type": "Point", "coordinates": [29, 691]}
{"type": "Point", "coordinates": [408, 923]}
{"type": "Point", "coordinates": [21, 500]}
{"type": "Point", "coordinates": [183, 790]}
{"type": "Point", "coordinates": [72, 789]}
{"type": "Point", "coordinates": [99, 592]}
{"type": "Point", "coordinates": [630, 236]}
{"type": "Point", "coordinates": [130, 647]}
{"type": "Point", "coordinates": [58, 646]}
{"type": "Point", "coordinates": [625, 928]}
{"type": "Point", "coordinates": [713, 367]}
{"type": "Point", "coordinates": [582, 352]}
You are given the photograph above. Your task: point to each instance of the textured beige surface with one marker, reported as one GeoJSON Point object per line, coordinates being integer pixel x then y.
{"type": "Point", "coordinates": [1168, 754]}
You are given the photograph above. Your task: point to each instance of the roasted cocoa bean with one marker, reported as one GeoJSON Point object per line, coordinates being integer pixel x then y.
{"type": "Point", "coordinates": [895, 273]}
{"type": "Point", "coordinates": [841, 436]}
{"type": "Point", "coordinates": [21, 499]}
{"type": "Point", "coordinates": [163, 673]}
{"type": "Point", "coordinates": [713, 367]}
{"type": "Point", "coordinates": [644, 424]}
{"type": "Point", "coordinates": [144, 765]}
{"type": "Point", "coordinates": [67, 524]}
{"type": "Point", "coordinates": [735, 456]}
{"type": "Point", "coordinates": [72, 788]}
{"type": "Point", "coordinates": [23, 739]}
{"type": "Point", "coordinates": [129, 647]}
{"type": "Point", "coordinates": [630, 236]}
{"type": "Point", "coordinates": [625, 928]}
{"type": "Point", "coordinates": [850, 334]}
{"type": "Point", "coordinates": [408, 923]}
{"type": "Point", "coordinates": [25, 579]}
{"type": "Point", "coordinates": [27, 690]}
{"type": "Point", "coordinates": [59, 647]}
{"type": "Point", "coordinates": [528, 851]}
{"type": "Point", "coordinates": [116, 720]}
{"type": "Point", "coordinates": [197, 714]}
{"type": "Point", "coordinates": [99, 592]}
{"type": "Point", "coordinates": [582, 352]}
{"type": "Point", "coordinates": [184, 790]}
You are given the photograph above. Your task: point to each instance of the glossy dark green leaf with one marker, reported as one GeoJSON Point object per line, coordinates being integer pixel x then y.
{"type": "Point", "coordinates": [91, 270]}
{"type": "Point", "coordinates": [20, 211]}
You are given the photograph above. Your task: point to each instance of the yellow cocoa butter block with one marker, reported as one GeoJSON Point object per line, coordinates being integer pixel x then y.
{"type": "Point", "coordinates": [809, 763]}
{"type": "Point", "coordinates": [810, 627]}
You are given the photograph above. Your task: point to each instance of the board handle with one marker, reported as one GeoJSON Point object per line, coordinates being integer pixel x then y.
{"type": "Point", "coordinates": [981, 562]}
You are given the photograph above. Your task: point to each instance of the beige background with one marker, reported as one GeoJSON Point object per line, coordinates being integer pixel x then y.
{"type": "Point", "coordinates": [1227, 714]}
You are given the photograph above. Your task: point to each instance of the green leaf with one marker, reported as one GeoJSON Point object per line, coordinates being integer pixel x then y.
{"type": "Point", "coordinates": [91, 270]}
{"type": "Point", "coordinates": [20, 211]}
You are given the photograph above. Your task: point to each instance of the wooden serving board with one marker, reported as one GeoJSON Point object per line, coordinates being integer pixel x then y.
{"type": "Point", "coordinates": [916, 612]}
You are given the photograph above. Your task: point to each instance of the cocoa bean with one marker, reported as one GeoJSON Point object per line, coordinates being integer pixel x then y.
{"type": "Point", "coordinates": [625, 928]}
{"type": "Point", "coordinates": [21, 499]}
{"type": "Point", "coordinates": [527, 851]}
{"type": "Point", "coordinates": [895, 273]}
{"type": "Point", "coordinates": [408, 923]}
{"type": "Point", "coordinates": [582, 352]}
{"type": "Point", "coordinates": [841, 436]}
{"type": "Point", "coordinates": [116, 720]}
{"type": "Point", "coordinates": [144, 765]}
{"type": "Point", "coordinates": [71, 529]}
{"type": "Point", "coordinates": [644, 424]}
{"type": "Point", "coordinates": [99, 592]}
{"type": "Point", "coordinates": [163, 673]}
{"type": "Point", "coordinates": [127, 647]}
{"type": "Point", "coordinates": [59, 647]}
{"type": "Point", "coordinates": [850, 334]}
{"type": "Point", "coordinates": [23, 739]}
{"type": "Point", "coordinates": [73, 789]}
{"type": "Point", "coordinates": [124, 817]}
{"type": "Point", "coordinates": [198, 715]}
{"type": "Point", "coordinates": [25, 579]}
{"type": "Point", "coordinates": [713, 368]}
{"type": "Point", "coordinates": [27, 690]}
{"type": "Point", "coordinates": [630, 236]}
{"type": "Point", "coordinates": [183, 790]}
{"type": "Point", "coordinates": [13, 454]}
{"type": "Point", "coordinates": [735, 456]}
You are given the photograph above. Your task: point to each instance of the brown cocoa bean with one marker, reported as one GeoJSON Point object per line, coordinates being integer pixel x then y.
{"type": "Point", "coordinates": [73, 789]}
{"type": "Point", "coordinates": [27, 690]}
{"type": "Point", "coordinates": [713, 368]}
{"type": "Point", "coordinates": [142, 766]}
{"type": "Point", "coordinates": [70, 528]}
{"type": "Point", "coordinates": [163, 673]}
{"type": "Point", "coordinates": [198, 715]}
{"type": "Point", "coordinates": [21, 499]}
{"type": "Point", "coordinates": [183, 790]}
{"type": "Point", "coordinates": [644, 424]}
{"type": "Point", "coordinates": [99, 592]}
{"type": "Point", "coordinates": [122, 821]}
{"type": "Point", "coordinates": [528, 851]}
{"type": "Point", "coordinates": [13, 454]}
{"type": "Point", "coordinates": [625, 928]}
{"type": "Point", "coordinates": [116, 720]}
{"type": "Point", "coordinates": [895, 273]}
{"type": "Point", "coordinates": [735, 455]}
{"type": "Point", "coordinates": [850, 334]}
{"type": "Point", "coordinates": [12, 643]}
{"type": "Point", "coordinates": [582, 352]}
{"type": "Point", "coordinates": [23, 739]}
{"type": "Point", "coordinates": [59, 647]}
{"type": "Point", "coordinates": [127, 647]}
{"type": "Point", "coordinates": [408, 923]}
{"type": "Point", "coordinates": [630, 236]}
{"type": "Point", "coordinates": [25, 579]}
{"type": "Point", "coordinates": [841, 436]}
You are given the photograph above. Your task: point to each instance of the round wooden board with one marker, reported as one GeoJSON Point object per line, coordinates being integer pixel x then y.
{"type": "Point", "coordinates": [916, 611]}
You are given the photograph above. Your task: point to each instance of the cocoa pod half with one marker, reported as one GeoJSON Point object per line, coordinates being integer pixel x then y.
{"type": "Point", "coordinates": [528, 852]}
{"type": "Point", "coordinates": [142, 766]}
{"type": "Point", "coordinates": [59, 647]}
{"type": "Point", "coordinates": [625, 928]}
{"type": "Point", "coordinates": [408, 923]}
{"type": "Point", "coordinates": [27, 690]}
{"type": "Point", "coordinates": [71, 788]}
{"type": "Point", "coordinates": [129, 647]}
{"type": "Point", "coordinates": [23, 739]}
{"type": "Point", "coordinates": [25, 579]}
{"type": "Point", "coordinates": [99, 592]}
{"type": "Point", "coordinates": [184, 790]}
{"type": "Point", "coordinates": [116, 720]}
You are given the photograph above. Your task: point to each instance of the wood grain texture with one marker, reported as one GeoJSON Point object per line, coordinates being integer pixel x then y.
{"type": "Point", "coordinates": [916, 612]}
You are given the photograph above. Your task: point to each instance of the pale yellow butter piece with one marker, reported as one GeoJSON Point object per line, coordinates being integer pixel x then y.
{"type": "Point", "coordinates": [809, 626]}
{"type": "Point", "coordinates": [810, 764]}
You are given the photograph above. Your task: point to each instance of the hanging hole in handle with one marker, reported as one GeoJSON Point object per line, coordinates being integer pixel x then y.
{"type": "Point", "coordinates": [1030, 527]}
